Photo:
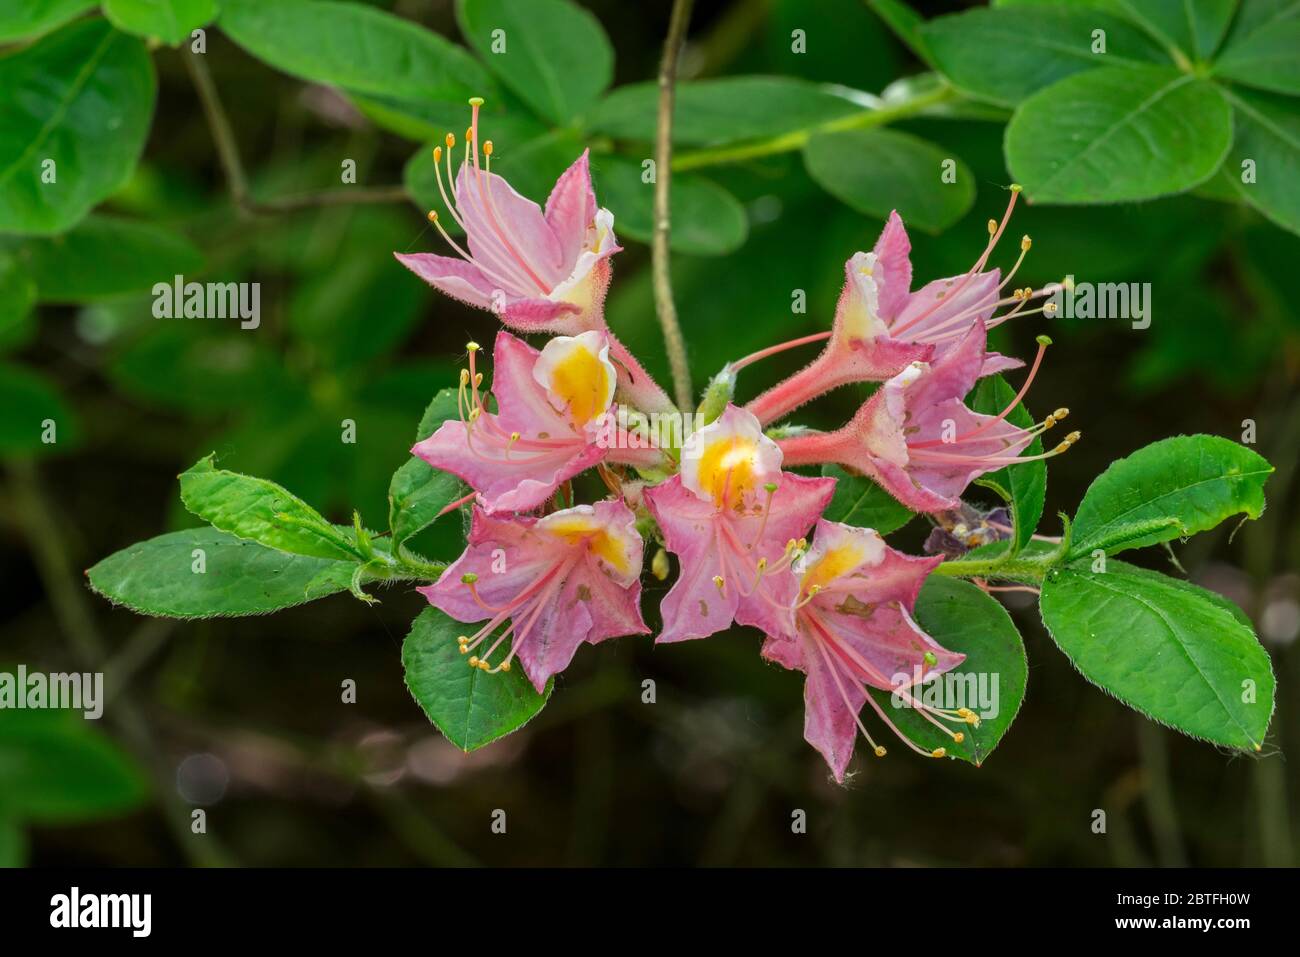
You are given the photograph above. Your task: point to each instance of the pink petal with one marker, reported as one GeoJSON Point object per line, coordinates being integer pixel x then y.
{"type": "Point", "coordinates": [694, 607]}
{"type": "Point", "coordinates": [514, 483]}
{"type": "Point", "coordinates": [508, 232]}
{"type": "Point", "coordinates": [551, 638]}
{"type": "Point", "coordinates": [831, 703]}
{"type": "Point", "coordinates": [571, 209]}
{"type": "Point", "coordinates": [933, 310]}
{"type": "Point", "coordinates": [543, 315]}
{"type": "Point", "coordinates": [893, 250]}
{"type": "Point", "coordinates": [455, 277]}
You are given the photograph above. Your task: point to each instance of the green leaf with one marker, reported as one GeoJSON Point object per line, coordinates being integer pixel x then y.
{"type": "Point", "coordinates": [355, 47]}
{"type": "Point", "coordinates": [171, 21]}
{"type": "Point", "coordinates": [31, 18]}
{"type": "Point", "coordinates": [1006, 55]}
{"type": "Point", "coordinates": [13, 843]}
{"type": "Point", "coordinates": [29, 402]}
{"type": "Point", "coordinates": [261, 511]}
{"type": "Point", "coordinates": [105, 257]}
{"type": "Point", "coordinates": [80, 99]}
{"type": "Point", "coordinates": [1268, 134]}
{"type": "Point", "coordinates": [728, 110]}
{"type": "Point", "coordinates": [552, 54]}
{"type": "Point", "coordinates": [861, 502]}
{"type": "Point", "coordinates": [1266, 58]}
{"type": "Point", "coordinates": [418, 491]}
{"type": "Point", "coordinates": [706, 219]}
{"type": "Point", "coordinates": [160, 576]}
{"type": "Point", "coordinates": [1165, 648]}
{"type": "Point", "coordinates": [905, 23]}
{"type": "Point", "coordinates": [1170, 489]}
{"type": "Point", "coordinates": [17, 296]}
{"type": "Point", "coordinates": [1024, 486]}
{"type": "Point", "coordinates": [1117, 134]}
{"type": "Point", "coordinates": [470, 708]}
{"type": "Point", "coordinates": [875, 171]}
{"type": "Point", "coordinates": [963, 618]}
{"type": "Point", "coordinates": [57, 768]}
{"type": "Point", "coordinates": [1196, 27]}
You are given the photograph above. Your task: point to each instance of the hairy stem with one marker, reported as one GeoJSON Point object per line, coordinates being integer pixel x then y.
{"type": "Point", "coordinates": [1008, 569]}
{"type": "Point", "coordinates": [665, 308]}
{"type": "Point", "coordinates": [796, 139]}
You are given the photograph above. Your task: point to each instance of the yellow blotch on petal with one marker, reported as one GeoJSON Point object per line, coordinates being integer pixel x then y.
{"type": "Point", "coordinates": [728, 469]}
{"type": "Point", "coordinates": [575, 529]}
{"type": "Point", "coordinates": [835, 562]}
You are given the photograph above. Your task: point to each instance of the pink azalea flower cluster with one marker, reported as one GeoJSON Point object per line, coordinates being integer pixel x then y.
{"type": "Point", "coordinates": [543, 578]}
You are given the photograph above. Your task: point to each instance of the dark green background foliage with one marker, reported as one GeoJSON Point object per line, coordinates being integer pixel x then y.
{"type": "Point", "coordinates": [785, 165]}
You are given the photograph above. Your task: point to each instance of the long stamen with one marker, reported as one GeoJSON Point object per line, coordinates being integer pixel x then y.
{"type": "Point", "coordinates": [485, 193]}
{"type": "Point", "coordinates": [958, 459]}
{"type": "Point", "coordinates": [1025, 244]}
{"type": "Point", "coordinates": [1043, 343]}
{"type": "Point", "coordinates": [995, 233]}
{"type": "Point", "coordinates": [770, 488]}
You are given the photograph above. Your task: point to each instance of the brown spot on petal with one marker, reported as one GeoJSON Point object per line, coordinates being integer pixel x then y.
{"type": "Point", "coordinates": [704, 608]}
{"type": "Point", "coordinates": [584, 593]}
{"type": "Point", "coordinates": [852, 606]}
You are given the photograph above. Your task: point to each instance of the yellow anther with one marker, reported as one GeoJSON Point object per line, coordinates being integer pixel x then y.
{"type": "Point", "coordinates": [993, 226]}
{"type": "Point", "coordinates": [1049, 308]}
{"type": "Point", "coordinates": [474, 413]}
{"type": "Point", "coordinates": [958, 738]}
{"type": "Point", "coordinates": [659, 565]}
{"type": "Point", "coordinates": [505, 666]}
{"type": "Point", "coordinates": [483, 666]}
{"type": "Point", "coordinates": [1025, 243]}
{"type": "Point", "coordinates": [719, 581]}
{"type": "Point", "coordinates": [939, 753]}
{"type": "Point", "coordinates": [487, 148]}
{"type": "Point", "coordinates": [762, 564]}
{"type": "Point", "coordinates": [880, 751]}
{"type": "Point", "coordinates": [964, 712]}
{"type": "Point", "coordinates": [1068, 441]}
{"type": "Point", "coordinates": [464, 377]}
{"type": "Point", "coordinates": [469, 134]}
{"type": "Point", "coordinates": [451, 140]}
{"type": "Point", "coordinates": [478, 379]}
{"type": "Point", "coordinates": [437, 154]}
{"type": "Point", "coordinates": [473, 661]}
{"type": "Point", "coordinates": [432, 216]}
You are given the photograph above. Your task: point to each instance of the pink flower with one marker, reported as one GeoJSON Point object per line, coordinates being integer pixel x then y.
{"type": "Point", "coordinates": [917, 438]}
{"type": "Point", "coordinates": [881, 326]}
{"type": "Point", "coordinates": [570, 577]}
{"type": "Point", "coordinates": [539, 270]}
{"type": "Point", "coordinates": [733, 519]}
{"type": "Point", "coordinates": [553, 421]}
{"type": "Point", "coordinates": [853, 631]}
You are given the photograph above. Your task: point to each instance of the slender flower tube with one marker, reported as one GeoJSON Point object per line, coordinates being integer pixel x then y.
{"type": "Point", "coordinates": [735, 521]}
{"type": "Point", "coordinates": [853, 630]}
{"type": "Point", "coordinates": [917, 438]}
{"type": "Point", "coordinates": [554, 582]}
{"type": "Point", "coordinates": [539, 270]}
{"type": "Point", "coordinates": [553, 420]}
{"type": "Point", "coordinates": [881, 326]}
